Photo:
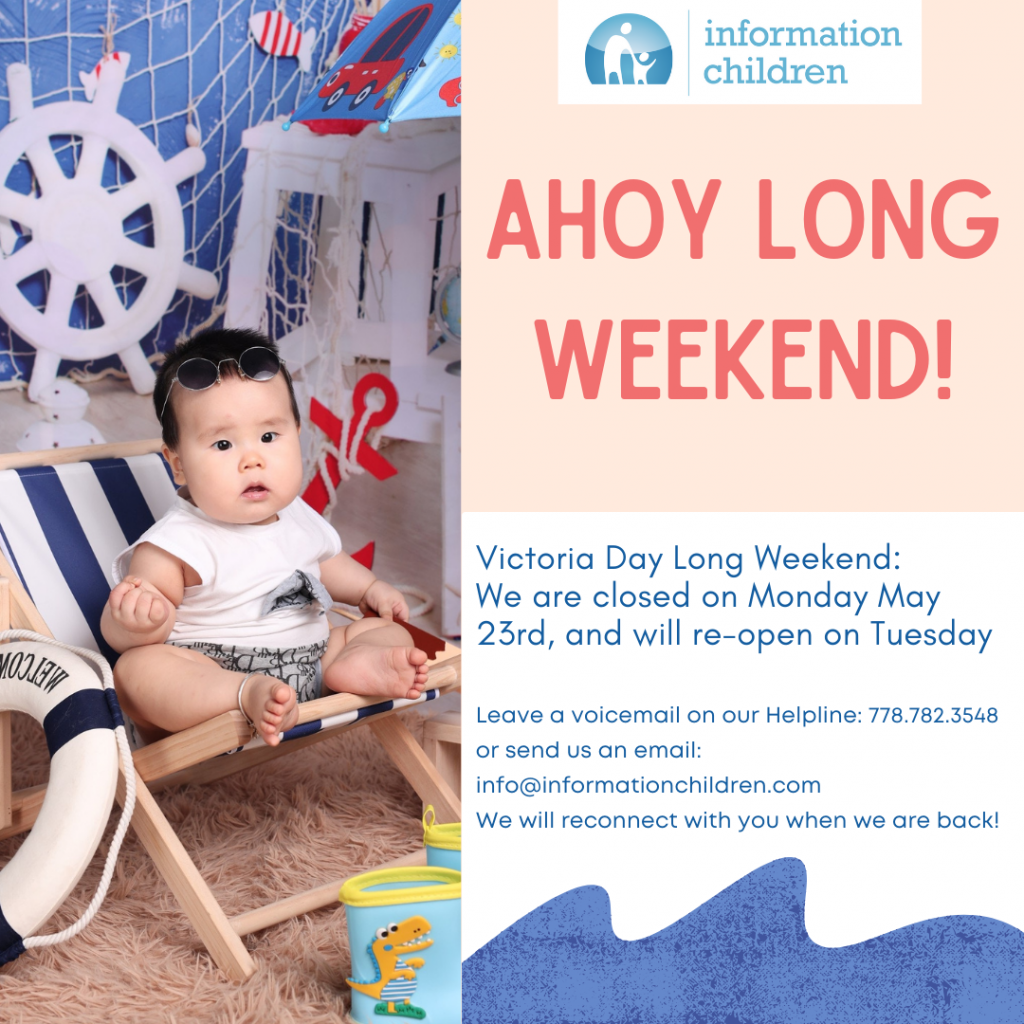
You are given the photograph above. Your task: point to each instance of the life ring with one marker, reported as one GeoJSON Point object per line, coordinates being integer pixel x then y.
{"type": "Point", "coordinates": [79, 714]}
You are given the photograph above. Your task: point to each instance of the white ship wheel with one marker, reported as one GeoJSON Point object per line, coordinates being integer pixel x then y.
{"type": "Point", "coordinates": [77, 230]}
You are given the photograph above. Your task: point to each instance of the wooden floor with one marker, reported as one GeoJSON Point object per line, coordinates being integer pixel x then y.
{"type": "Point", "coordinates": [115, 410]}
{"type": "Point", "coordinates": [401, 515]}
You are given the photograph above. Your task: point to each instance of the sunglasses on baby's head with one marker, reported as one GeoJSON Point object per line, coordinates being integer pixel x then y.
{"type": "Point", "coordinates": [198, 373]}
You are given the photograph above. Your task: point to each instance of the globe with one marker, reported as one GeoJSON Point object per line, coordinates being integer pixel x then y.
{"type": "Point", "coordinates": [449, 307]}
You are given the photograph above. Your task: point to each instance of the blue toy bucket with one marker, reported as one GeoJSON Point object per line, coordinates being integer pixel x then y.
{"type": "Point", "coordinates": [443, 842]}
{"type": "Point", "coordinates": [405, 934]}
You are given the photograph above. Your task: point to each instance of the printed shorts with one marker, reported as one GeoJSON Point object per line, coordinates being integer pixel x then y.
{"type": "Point", "coordinates": [299, 667]}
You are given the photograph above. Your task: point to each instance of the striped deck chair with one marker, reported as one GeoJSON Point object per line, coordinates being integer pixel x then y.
{"type": "Point", "coordinates": [64, 516]}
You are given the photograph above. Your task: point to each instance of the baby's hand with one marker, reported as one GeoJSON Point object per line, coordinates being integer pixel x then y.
{"type": "Point", "coordinates": [385, 600]}
{"type": "Point", "coordinates": [137, 606]}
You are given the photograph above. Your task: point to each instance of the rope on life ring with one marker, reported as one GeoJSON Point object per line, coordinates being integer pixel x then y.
{"type": "Point", "coordinates": [77, 712]}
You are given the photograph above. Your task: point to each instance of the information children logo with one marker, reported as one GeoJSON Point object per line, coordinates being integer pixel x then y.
{"type": "Point", "coordinates": [628, 49]}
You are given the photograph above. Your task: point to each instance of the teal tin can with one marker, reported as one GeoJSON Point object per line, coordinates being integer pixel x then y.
{"type": "Point", "coordinates": [443, 842]}
{"type": "Point", "coordinates": [405, 934]}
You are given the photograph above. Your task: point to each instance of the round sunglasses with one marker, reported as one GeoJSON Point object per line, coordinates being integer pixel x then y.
{"type": "Point", "coordinates": [199, 373]}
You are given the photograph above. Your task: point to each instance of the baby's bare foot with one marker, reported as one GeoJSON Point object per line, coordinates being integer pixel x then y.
{"type": "Point", "coordinates": [271, 706]}
{"type": "Point", "coordinates": [375, 671]}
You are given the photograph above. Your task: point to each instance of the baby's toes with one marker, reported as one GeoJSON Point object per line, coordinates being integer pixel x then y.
{"type": "Point", "coordinates": [282, 699]}
{"type": "Point", "coordinates": [267, 728]}
{"type": "Point", "coordinates": [288, 703]}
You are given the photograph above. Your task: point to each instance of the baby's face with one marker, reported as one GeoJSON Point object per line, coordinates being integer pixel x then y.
{"type": "Point", "coordinates": [238, 449]}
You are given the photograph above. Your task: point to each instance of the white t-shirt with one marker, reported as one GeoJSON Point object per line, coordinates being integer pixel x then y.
{"type": "Point", "coordinates": [241, 566]}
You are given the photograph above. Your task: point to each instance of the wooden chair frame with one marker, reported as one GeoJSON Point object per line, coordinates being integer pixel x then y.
{"type": "Point", "coordinates": [191, 756]}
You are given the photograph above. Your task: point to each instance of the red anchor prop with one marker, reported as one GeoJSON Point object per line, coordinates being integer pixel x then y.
{"type": "Point", "coordinates": [364, 556]}
{"type": "Point", "coordinates": [316, 495]}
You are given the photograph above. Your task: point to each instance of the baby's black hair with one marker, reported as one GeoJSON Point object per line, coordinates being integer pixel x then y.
{"type": "Point", "coordinates": [223, 346]}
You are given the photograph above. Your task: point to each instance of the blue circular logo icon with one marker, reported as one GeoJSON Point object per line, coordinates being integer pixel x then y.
{"type": "Point", "coordinates": [629, 49]}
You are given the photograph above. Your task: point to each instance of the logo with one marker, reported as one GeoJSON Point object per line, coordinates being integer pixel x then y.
{"type": "Point", "coordinates": [628, 49]}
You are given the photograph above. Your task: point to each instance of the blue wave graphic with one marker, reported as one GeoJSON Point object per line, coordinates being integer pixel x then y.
{"type": "Point", "coordinates": [743, 957]}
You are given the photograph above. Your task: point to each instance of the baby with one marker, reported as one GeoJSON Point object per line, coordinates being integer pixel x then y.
{"type": "Point", "coordinates": [221, 604]}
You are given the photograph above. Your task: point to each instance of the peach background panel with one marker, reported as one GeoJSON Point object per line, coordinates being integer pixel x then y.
{"type": "Point", "coordinates": [523, 451]}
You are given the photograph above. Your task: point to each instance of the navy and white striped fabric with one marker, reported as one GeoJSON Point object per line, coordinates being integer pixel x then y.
{"type": "Point", "coordinates": [62, 526]}
{"type": "Point", "coordinates": [348, 717]}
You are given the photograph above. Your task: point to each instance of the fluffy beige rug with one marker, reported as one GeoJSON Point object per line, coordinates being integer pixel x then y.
{"type": "Point", "coordinates": [331, 810]}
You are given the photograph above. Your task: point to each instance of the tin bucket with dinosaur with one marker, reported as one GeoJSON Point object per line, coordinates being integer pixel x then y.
{"type": "Point", "coordinates": [443, 842]}
{"type": "Point", "coordinates": [405, 935]}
